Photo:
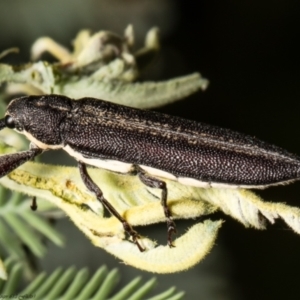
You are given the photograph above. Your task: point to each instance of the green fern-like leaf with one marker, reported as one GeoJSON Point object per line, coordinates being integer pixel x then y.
{"type": "Point", "coordinates": [78, 284]}
{"type": "Point", "coordinates": [19, 225]}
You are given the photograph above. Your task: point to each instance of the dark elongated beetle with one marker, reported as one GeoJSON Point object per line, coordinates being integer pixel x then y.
{"type": "Point", "coordinates": [149, 144]}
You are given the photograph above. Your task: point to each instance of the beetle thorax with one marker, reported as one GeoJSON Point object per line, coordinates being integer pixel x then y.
{"type": "Point", "coordinates": [40, 119]}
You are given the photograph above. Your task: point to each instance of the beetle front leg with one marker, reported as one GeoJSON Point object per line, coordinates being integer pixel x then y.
{"type": "Point", "coordinates": [159, 184]}
{"type": "Point", "coordinates": [9, 162]}
{"type": "Point", "coordinates": [91, 185]}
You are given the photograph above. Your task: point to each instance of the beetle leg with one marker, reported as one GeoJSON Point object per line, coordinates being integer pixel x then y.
{"type": "Point", "coordinates": [159, 184]}
{"type": "Point", "coordinates": [9, 162]}
{"type": "Point", "coordinates": [33, 205]}
{"type": "Point", "coordinates": [91, 185]}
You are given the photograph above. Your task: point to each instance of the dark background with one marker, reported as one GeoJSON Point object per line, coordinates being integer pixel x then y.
{"type": "Point", "coordinates": [249, 51]}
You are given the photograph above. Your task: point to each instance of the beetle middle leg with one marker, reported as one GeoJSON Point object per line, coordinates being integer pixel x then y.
{"type": "Point", "coordinates": [159, 184]}
{"type": "Point", "coordinates": [92, 186]}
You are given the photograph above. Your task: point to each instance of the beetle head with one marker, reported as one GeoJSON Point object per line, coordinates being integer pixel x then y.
{"type": "Point", "coordinates": [39, 118]}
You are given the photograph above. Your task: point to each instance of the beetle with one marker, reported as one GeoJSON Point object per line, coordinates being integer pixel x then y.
{"type": "Point", "coordinates": [151, 145]}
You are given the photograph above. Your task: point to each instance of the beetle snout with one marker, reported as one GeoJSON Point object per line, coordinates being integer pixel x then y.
{"type": "Point", "coordinates": [2, 124]}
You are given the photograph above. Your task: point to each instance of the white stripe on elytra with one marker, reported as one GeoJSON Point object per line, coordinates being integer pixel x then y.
{"type": "Point", "coordinates": [121, 167]}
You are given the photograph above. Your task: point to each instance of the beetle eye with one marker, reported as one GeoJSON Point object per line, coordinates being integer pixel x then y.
{"type": "Point", "coordinates": [9, 122]}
